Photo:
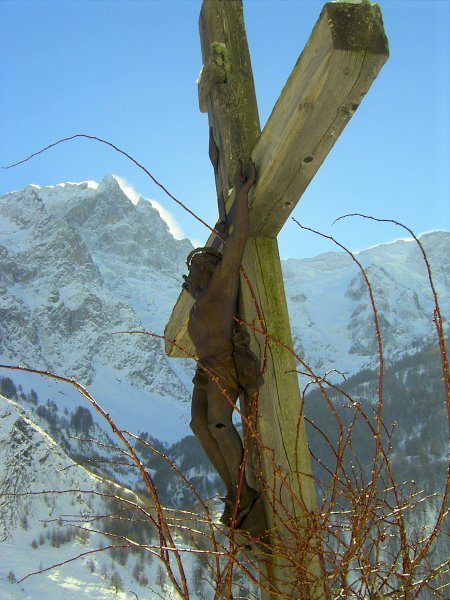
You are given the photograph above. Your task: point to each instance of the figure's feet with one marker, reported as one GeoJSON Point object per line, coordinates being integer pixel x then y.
{"type": "Point", "coordinates": [228, 511]}
{"type": "Point", "coordinates": [246, 503]}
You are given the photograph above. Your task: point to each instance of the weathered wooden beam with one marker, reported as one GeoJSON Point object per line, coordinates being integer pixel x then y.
{"type": "Point", "coordinates": [231, 100]}
{"type": "Point", "coordinates": [227, 93]}
{"type": "Point", "coordinates": [343, 56]}
{"type": "Point", "coordinates": [285, 459]}
{"type": "Point", "coordinates": [340, 61]}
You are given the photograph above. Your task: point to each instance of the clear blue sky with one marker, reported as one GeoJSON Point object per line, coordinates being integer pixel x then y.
{"type": "Point", "coordinates": [126, 71]}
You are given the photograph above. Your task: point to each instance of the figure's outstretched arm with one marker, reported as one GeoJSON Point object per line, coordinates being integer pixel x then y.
{"type": "Point", "coordinates": [234, 248]}
{"type": "Point", "coordinates": [224, 284]}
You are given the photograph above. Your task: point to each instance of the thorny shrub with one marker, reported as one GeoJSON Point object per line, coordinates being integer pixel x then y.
{"type": "Point", "coordinates": [364, 529]}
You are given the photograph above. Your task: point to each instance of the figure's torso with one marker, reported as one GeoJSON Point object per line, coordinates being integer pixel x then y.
{"type": "Point", "coordinates": [211, 327]}
{"type": "Point", "coordinates": [211, 320]}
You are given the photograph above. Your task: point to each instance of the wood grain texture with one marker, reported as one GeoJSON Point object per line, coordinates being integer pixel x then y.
{"type": "Point", "coordinates": [284, 460]}
{"type": "Point", "coordinates": [232, 108]}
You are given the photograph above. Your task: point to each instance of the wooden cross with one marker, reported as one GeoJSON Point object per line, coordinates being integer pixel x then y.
{"type": "Point", "coordinates": [342, 57]}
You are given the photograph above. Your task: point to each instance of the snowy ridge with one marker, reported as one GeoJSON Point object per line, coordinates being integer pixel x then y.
{"type": "Point", "coordinates": [79, 264]}
{"type": "Point", "coordinates": [331, 314]}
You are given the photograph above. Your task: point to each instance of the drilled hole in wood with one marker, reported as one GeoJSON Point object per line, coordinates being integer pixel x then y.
{"type": "Point", "coordinates": [308, 159]}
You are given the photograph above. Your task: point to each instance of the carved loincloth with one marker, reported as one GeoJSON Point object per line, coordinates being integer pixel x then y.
{"type": "Point", "coordinates": [221, 366]}
{"type": "Point", "coordinates": [235, 372]}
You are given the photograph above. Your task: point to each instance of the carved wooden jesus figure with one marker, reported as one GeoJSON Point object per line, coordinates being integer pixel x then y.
{"type": "Point", "coordinates": [223, 351]}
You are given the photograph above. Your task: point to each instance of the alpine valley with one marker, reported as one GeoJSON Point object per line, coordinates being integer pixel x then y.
{"type": "Point", "coordinates": [82, 266]}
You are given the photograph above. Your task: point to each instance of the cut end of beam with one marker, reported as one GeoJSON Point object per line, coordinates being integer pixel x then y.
{"type": "Point", "coordinates": [176, 338]}
{"type": "Point", "coordinates": [356, 27]}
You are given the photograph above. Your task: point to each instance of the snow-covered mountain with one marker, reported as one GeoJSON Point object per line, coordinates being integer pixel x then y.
{"type": "Point", "coordinates": [80, 262]}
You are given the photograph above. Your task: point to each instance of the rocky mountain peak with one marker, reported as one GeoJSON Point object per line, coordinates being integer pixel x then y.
{"type": "Point", "coordinates": [81, 262]}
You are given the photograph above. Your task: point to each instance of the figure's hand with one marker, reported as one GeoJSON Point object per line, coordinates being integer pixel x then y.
{"type": "Point", "coordinates": [245, 178]}
{"type": "Point", "coordinates": [187, 285]}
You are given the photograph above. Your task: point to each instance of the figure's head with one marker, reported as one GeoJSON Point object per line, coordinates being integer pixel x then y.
{"type": "Point", "coordinates": [201, 263]}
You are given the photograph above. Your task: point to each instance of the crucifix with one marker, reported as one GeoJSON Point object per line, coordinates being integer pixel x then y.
{"type": "Point", "coordinates": [341, 59]}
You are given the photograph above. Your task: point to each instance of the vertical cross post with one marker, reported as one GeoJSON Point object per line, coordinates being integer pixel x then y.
{"type": "Point", "coordinates": [226, 92]}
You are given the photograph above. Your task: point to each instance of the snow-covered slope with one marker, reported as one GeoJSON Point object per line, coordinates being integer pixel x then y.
{"type": "Point", "coordinates": [38, 530]}
{"type": "Point", "coordinates": [65, 533]}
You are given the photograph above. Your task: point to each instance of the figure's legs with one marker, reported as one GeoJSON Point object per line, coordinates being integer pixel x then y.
{"type": "Point", "coordinates": [201, 430]}
{"type": "Point", "coordinates": [220, 424]}
{"type": "Point", "coordinates": [221, 428]}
